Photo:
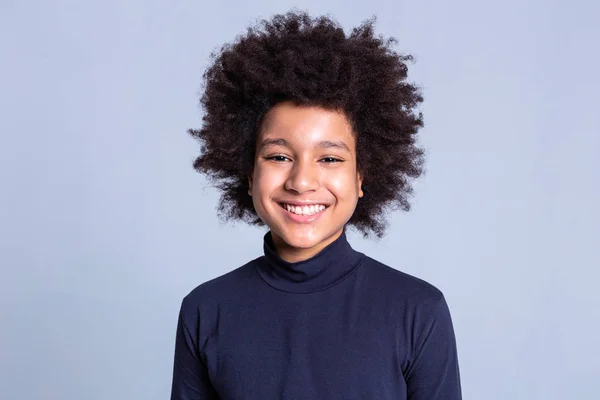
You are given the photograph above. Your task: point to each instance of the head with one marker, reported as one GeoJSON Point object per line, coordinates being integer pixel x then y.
{"type": "Point", "coordinates": [305, 183]}
{"type": "Point", "coordinates": [297, 111]}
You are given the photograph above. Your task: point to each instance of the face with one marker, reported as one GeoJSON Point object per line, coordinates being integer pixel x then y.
{"type": "Point", "coordinates": [305, 184]}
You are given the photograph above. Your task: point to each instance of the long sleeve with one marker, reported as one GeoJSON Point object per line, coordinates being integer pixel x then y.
{"type": "Point", "coordinates": [190, 376]}
{"type": "Point", "coordinates": [256, 333]}
{"type": "Point", "coordinates": [434, 374]}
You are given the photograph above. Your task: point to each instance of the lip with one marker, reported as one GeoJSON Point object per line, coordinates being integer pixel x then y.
{"type": "Point", "coordinates": [302, 219]}
{"type": "Point", "coordinates": [303, 203]}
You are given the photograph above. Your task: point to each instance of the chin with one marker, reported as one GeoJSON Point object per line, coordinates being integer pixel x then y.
{"type": "Point", "coordinates": [304, 239]}
{"type": "Point", "coordinates": [301, 243]}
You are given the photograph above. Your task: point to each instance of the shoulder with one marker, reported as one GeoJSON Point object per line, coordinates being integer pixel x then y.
{"type": "Point", "coordinates": [412, 299]}
{"type": "Point", "coordinates": [400, 284]}
{"type": "Point", "coordinates": [419, 304]}
{"type": "Point", "coordinates": [218, 290]}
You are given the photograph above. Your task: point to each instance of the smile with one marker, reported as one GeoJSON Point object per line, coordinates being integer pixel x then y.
{"type": "Point", "coordinates": [303, 214]}
{"type": "Point", "coordinates": [304, 210]}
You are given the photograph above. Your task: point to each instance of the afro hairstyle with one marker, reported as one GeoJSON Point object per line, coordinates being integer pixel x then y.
{"type": "Point", "coordinates": [294, 57]}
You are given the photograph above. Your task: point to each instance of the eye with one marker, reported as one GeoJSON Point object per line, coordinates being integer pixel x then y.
{"type": "Point", "coordinates": [278, 158]}
{"type": "Point", "coordinates": [331, 160]}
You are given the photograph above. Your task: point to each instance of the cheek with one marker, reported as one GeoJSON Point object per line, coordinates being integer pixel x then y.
{"type": "Point", "coordinates": [266, 180]}
{"type": "Point", "coordinates": [344, 186]}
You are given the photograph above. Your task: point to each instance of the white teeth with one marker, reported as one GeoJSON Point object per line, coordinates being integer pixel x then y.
{"type": "Point", "coordinates": [306, 210]}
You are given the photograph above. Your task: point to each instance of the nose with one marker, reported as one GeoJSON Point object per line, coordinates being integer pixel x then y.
{"type": "Point", "coordinates": [303, 177]}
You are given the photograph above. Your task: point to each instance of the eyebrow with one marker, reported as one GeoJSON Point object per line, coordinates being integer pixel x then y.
{"type": "Point", "coordinates": [323, 144]}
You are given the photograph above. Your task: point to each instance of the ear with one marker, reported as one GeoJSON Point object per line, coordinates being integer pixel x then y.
{"type": "Point", "coordinates": [360, 182]}
{"type": "Point", "coordinates": [250, 179]}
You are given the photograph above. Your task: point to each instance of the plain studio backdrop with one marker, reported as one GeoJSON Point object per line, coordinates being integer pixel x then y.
{"type": "Point", "coordinates": [105, 226]}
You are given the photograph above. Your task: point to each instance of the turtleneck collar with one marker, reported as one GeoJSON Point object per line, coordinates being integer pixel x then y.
{"type": "Point", "coordinates": [330, 266]}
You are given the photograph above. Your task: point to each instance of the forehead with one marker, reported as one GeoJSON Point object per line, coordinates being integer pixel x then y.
{"type": "Point", "coordinates": [306, 124]}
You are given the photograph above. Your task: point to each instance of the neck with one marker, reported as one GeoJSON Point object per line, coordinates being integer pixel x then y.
{"type": "Point", "coordinates": [328, 266]}
{"type": "Point", "coordinates": [295, 254]}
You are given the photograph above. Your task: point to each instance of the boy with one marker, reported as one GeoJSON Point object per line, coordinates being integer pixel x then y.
{"type": "Point", "coordinates": [307, 130]}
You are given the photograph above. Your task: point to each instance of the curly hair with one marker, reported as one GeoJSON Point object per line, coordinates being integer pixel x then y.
{"type": "Point", "coordinates": [312, 62]}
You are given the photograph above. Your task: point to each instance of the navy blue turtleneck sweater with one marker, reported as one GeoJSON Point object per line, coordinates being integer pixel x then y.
{"type": "Point", "coordinates": [337, 326]}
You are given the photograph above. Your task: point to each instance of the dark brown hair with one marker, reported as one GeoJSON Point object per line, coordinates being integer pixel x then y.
{"type": "Point", "coordinates": [311, 61]}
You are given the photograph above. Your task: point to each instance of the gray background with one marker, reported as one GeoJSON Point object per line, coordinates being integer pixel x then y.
{"type": "Point", "coordinates": [104, 225]}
